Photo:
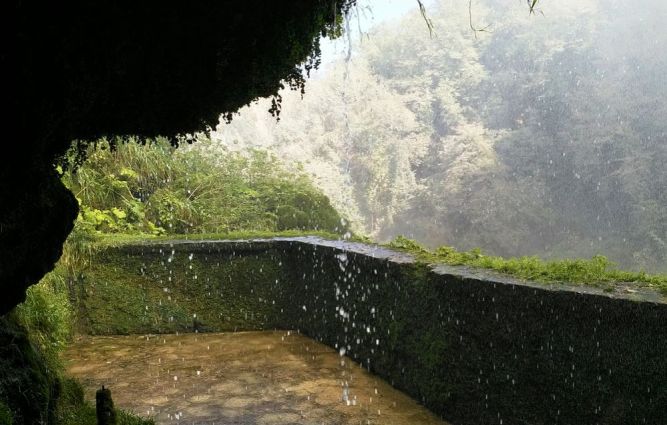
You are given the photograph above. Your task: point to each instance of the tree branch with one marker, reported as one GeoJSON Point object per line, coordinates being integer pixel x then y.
{"type": "Point", "coordinates": [472, 27]}
{"type": "Point", "coordinates": [429, 22]}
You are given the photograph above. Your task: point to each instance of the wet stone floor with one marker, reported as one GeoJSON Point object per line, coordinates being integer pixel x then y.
{"type": "Point", "coordinates": [238, 378]}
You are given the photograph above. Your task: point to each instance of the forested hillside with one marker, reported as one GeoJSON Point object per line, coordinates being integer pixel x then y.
{"type": "Point", "coordinates": [544, 135]}
{"type": "Point", "coordinates": [156, 189]}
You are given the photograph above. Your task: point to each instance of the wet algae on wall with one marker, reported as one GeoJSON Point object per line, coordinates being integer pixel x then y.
{"type": "Point", "coordinates": [165, 289]}
{"type": "Point", "coordinates": [475, 349]}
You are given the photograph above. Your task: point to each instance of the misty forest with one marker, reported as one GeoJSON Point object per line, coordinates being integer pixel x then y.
{"type": "Point", "coordinates": [544, 135]}
{"type": "Point", "coordinates": [380, 212]}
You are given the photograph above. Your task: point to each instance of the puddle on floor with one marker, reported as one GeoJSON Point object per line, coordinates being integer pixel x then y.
{"type": "Point", "coordinates": [262, 378]}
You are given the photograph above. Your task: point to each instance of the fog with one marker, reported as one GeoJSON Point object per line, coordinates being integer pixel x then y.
{"type": "Point", "coordinates": [545, 134]}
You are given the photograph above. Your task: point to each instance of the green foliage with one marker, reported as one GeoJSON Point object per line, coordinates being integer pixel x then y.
{"type": "Point", "coordinates": [28, 383]}
{"type": "Point", "coordinates": [127, 418]}
{"type": "Point", "coordinates": [597, 271]}
{"type": "Point", "coordinates": [47, 314]}
{"type": "Point", "coordinates": [154, 189]}
{"type": "Point", "coordinates": [5, 414]}
{"type": "Point", "coordinates": [47, 317]}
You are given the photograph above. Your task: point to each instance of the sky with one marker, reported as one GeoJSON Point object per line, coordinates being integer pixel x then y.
{"type": "Point", "coordinates": [370, 14]}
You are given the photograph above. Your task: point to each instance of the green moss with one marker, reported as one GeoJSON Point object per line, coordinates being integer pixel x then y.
{"type": "Point", "coordinates": [154, 290]}
{"type": "Point", "coordinates": [403, 243]}
{"type": "Point", "coordinates": [597, 271]}
{"type": "Point", "coordinates": [108, 240]}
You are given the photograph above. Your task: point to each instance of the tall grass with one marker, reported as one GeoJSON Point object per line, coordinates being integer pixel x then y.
{"type": "Point", "coordinates": [46, 315]}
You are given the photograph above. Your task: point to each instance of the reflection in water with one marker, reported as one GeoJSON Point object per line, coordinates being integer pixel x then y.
{"type": "Point", "coordinates": [238, 378]}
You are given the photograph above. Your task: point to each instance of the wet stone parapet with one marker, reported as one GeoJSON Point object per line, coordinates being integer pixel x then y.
{"type": "Point", "coordinates": [474, 347]}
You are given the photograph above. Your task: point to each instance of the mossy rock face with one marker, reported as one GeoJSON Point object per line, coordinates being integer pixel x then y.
{"type": "Point", "coordinates": [37, 213]}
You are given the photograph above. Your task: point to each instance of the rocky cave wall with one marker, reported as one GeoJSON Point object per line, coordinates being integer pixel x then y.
{"type": "Point", "coordinates": [80, 70]}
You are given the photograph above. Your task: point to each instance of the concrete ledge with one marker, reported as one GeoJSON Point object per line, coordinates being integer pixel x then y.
{"type": "Point", "coordinates": [473, 346]}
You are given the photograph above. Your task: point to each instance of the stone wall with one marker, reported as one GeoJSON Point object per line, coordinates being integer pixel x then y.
{"type": "Point", "coordinates": [474, 347]}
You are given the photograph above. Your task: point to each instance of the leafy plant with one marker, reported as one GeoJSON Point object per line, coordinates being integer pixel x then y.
{"type": "Point", "coordinates": [154, 189]}
{"type": "Point", "coordinates": [5, 415]}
